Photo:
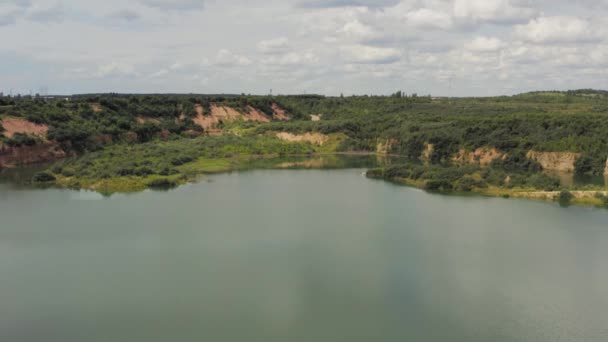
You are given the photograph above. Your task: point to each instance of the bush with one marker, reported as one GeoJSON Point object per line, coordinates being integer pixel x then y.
{"type": "Point", "coordinates": [143, 171]}
{"type": "Point", "coordinates": [438, 186]}
{"type": "Point", "coordinates": [162, 183]}
{"type": "Point", "coordinates": [565, 198]}
{"type": "Point", "coordinates": [43, 177]}
{"type": "Point", "coordinates": [68, 172]}
{"type": "Point", "coordinates": [468, 183]}
{"type": "Point", "coordinates": [21, 140]}
{"type": "Point", "coordinates": [181, 160]}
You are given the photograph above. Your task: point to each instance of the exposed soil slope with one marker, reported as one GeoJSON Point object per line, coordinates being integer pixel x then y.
{"type": "Point", "coordinates": [17, 125]}
{"type": "Point", "coordinates": [313, 138]}
{"type": "Point", "coordinates": [279, 113]}
{"type": "Point", "coordinates": [481, 156]}
{"type": "Point", "coordinates": [13, 156]}
{"type": "Point", "coordinates": [555, 161]}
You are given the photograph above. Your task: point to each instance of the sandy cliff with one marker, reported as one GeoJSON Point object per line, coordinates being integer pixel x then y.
{"type": "Point", "coordinates": [481, 156]}
{"type": "Point", "coordinates": [555, 161]}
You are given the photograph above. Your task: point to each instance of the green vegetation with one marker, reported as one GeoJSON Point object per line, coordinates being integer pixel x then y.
{"type": "Point", "coordinates": [565, 198]}
{"type": "Point", "coordinates": [467, 178]}
{"type": "Point", "coordinates": [43, 177]}
{"type": "Point", "coordinates": [165, 163]}
{"type": "Point", "coordinates": [120, 151]}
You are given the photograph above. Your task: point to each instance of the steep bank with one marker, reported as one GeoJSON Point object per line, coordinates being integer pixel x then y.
{"type": "Point", "coordinates": [23, 155]}
{"type": "Point", "coordinates": [481, 156]}
{"type": "Point", "coordinates": [555, 161]}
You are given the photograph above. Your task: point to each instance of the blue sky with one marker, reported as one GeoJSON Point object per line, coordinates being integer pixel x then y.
{"type": "Point", "coordinates": [439, 47]}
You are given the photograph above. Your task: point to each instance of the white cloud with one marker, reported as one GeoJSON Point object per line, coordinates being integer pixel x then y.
{"type": "Point", "coordinates": [560, 29]}
{"type": "Point", "coordinates": [370, 55]}
{"type": "Point", "coordinates": [115, 68]}
{"type": "Point", "coordinates": [347, 3]}
{"type": "Point", "coordinates": [226, 58]}
{"type": "Point", "coordinates": [484, 44]}
{"type": "Point", "coordinates": [352, 46]}
{"type": "Point", "coordinates": [357, 30]}
{"type": "Point", "coordinates": [175, 5]}
{"type": "Point", "coordinates": [291, 59]}
{"type": "Point", "coordinates": [427, 18]}
{"type": "Point", "coordinates": [273, 46]}
{"type": "Point", "coordinates": [493, 11]}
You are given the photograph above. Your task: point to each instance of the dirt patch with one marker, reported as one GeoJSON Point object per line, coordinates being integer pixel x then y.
{"type": "Point", "coordinates": [96, 107]}
{"type": "Point", "coordinates": [14, 156]}
{"type": "Point", "coordinates": [143, 119]}
{"type": "Point", "coordinates": [198, 108]}
{"type": "Point", "coordinates": [214, 132]}
{"type": "Point", "coordinates": [481, 156]}
{"type": "Point", "coordinates": [225, 114]}
{"type": "Point", "coordinates": [555, 161]}
{"type": "Point", "coordinates": [255, 115]}
{"type": "Point", "coordinates": [429, 149]}
{"type": "Point", "coordinates": [313, 138]}
{"type": "Point", "coordinates": [279, 113]}
{"type": "Point", "coordinates": [386, 147]}
{"type": "Point", "coordinates": [205, 121]}
{"type": "Point", "coordinates": [17, 125]}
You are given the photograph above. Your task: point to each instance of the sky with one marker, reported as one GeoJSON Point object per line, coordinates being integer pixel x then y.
{"type": "Point", "coordinates": [331, 47]}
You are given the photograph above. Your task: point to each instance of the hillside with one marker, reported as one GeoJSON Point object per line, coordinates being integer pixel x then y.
{"type": "Point", "coordinates": [501, 141]}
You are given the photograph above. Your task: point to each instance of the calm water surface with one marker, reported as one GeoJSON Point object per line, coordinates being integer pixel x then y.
{"type": "Point", "coordinates": [298, 256]}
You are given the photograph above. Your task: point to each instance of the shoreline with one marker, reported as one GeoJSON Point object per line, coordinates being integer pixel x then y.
{"type": "Point", "coordinates": [579, 197]}
{"type": "Point", "coordinates": [194, 171]}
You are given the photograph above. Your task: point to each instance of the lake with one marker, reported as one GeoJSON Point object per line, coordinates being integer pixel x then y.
{"type": "Point", "coordinates": [298, 255]}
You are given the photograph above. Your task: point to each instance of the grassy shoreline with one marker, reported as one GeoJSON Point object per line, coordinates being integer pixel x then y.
{"type": "Point", "coordinates": [192, 172]}
{"type": "Point", "coordinates": [594, 198]}
{"type": "Point", "coordinates": [195, 170]}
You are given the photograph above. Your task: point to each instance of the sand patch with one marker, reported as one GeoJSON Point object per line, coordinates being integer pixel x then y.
{"type": "Point", "coordinates": [255, 115]}
{"type": "Point", "coordinates": [198, 108]}
{"type": "Point", "coordinates": [555, 161]}
{"type": "Point", "coordinates": [429, 149]}
{"type": "Point", "coordinates": [14, 156]}
{"type": "Point", "coordinates": [96, 107]}
{"type": "Point", "coordinates": [481, 156]}
{"type": "Point", "coordinates": [16, 125]}
{"type": "Point", "coordinates": [313, 138]}
{"type": "Point", "coordinates": [225, 114]}
{"type": "Point", "coordinates": [143, 119]}
{"type": "Point", "coordinates": [205, 121]}
{"type": "Point", "coordinates": [279, 113]}
{"type": "Point", "coordinates": [385, 147]}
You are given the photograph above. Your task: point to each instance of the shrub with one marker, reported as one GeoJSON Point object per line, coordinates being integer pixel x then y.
{"type": "Point", "coordinates": [438, 186]}
{"type": "Point", "coordinates": [565, 198]}
{"type": "Point", "coordinates": [181, 160]}
{"type": "Point", "coordinates": [143, 171]}
{"type": "Point", "coordinates": [43, 177]}
{"type": "Point", "coordinates": [162, 183]}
